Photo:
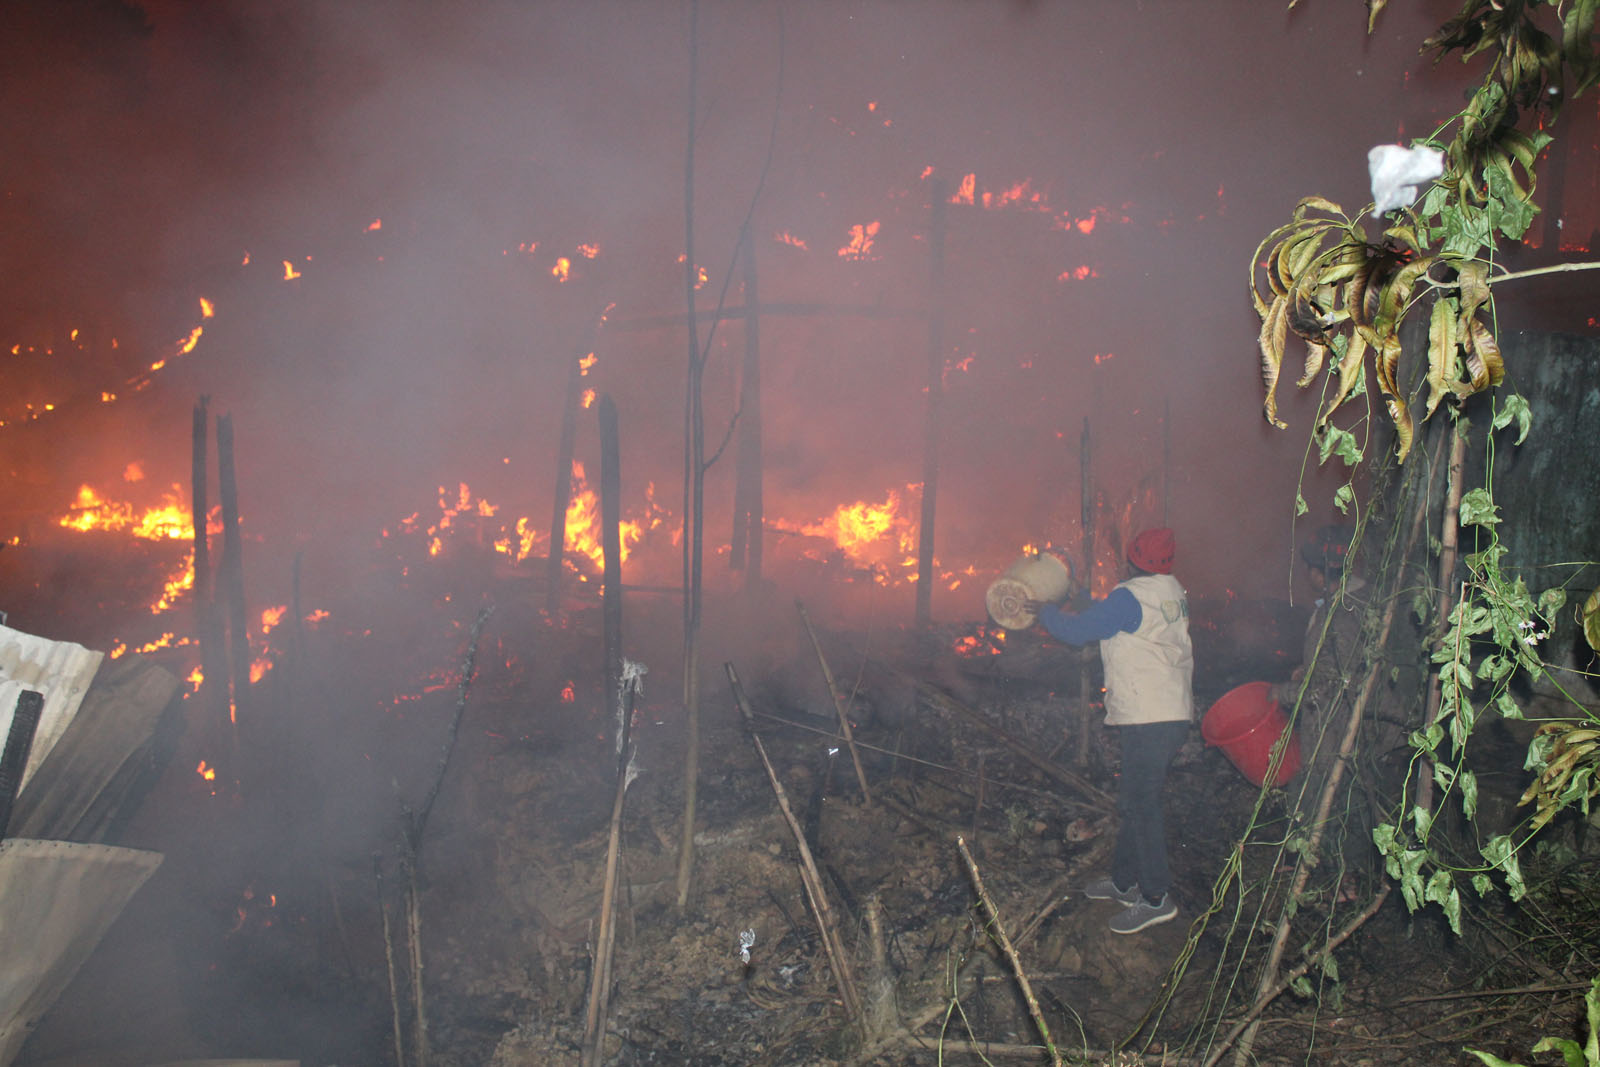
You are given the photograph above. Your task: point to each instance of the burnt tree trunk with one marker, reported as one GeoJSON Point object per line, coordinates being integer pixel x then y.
{"type": "Point", "coordinates": [930, 444]}
{"type": "Point", "coordinates": [745, 551]}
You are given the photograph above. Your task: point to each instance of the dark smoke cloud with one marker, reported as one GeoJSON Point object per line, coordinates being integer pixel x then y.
{"type": "Point", "coordinates": [158, 144]}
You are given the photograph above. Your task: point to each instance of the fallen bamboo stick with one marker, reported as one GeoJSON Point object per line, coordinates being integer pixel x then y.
{"type": "Point", "coordinates": [838, 706]}
{"type": "Point", "coordinates": [1268, 996]}
{"type": "Point", "coordinates": [1011, 953]}
{"type": "Point", "coordinates": [388, 956]}
{"type": "Point", "coordinates": [809, 878]}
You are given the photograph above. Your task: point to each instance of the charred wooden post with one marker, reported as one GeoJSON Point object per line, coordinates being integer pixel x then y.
{"type": "Point", "coordinates": [930, 441]}
{"type": "Point", "coordinates": [19, 742]}
{"type": "Point", "coordinates": [213, 657]}
{"type": "Point", "coordinates": [233, 575]}
{"type": "Point", "coordinates": [746, 547]}
{"type": "Point", "coordinates": [611, 542]}
{"type": "Point", "coordinates": [571, 401]}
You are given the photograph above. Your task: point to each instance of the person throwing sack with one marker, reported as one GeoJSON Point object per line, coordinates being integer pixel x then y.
{"type": "Point", "coordinates": [1143, 630]}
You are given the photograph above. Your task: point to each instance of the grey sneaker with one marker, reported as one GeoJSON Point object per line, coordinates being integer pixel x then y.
{"type": "Point", "coordinates": [1106, 889]}
{"type": "Point", "coordinates": [1141, 913]}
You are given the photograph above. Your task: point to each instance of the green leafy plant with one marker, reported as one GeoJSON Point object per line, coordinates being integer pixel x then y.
{"type": "Point", "coordinates": [1345, 292]}
{"type": "Point", "coordinates": [1586, 1054]}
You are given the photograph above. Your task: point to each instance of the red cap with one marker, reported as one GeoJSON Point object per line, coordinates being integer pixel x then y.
{"type": "Point", "coordinates": [1152, 550]}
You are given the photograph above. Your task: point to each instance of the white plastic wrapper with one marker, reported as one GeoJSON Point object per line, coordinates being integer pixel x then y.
{"type": "Point", "coordinates": [1397, 171]}
{"type": "Point", "coordinates": [747, 941]}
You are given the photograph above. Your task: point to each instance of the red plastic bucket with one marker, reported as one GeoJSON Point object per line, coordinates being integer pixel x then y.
{"type": "Point", "coordinates": [1245, 723]}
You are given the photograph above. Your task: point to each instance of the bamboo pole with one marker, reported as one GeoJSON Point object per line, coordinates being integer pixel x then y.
{"type": "Point", "coordinates": [816, 895]}
{"type": "Point", "coordinates": [745, 552]}
{"type": "Point", "coordinates": [419, 1011]}
{"type": "Point", "coordinates": [999, 931]}
{"type": "Point", "coordinates": [694, 484]}
{"type": "Point", "coordinates": [1309, 856]}
{"type": "Point", "coordinates": [1088, 652]}
{"type": "Point", "coordinates": [930, 433]}
{"type": "Point", "coordinates": [838, 706]}
{"type": "Point", "coordinates": [791, 310]}
{"type": "Point", "coordinates": [388, 956]}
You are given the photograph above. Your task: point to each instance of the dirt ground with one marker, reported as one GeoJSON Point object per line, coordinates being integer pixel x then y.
{"type": "Point", "coordinates": [262, 935]}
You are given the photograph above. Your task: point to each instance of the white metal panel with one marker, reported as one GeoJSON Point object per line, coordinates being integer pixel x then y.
{"type": "Point", "coordinates": [60, 670]}
{"type": "Point", "coordinates": [57, 900]}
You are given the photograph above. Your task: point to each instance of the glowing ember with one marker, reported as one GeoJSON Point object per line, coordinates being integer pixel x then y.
{"type": "Point", "coordinates": [562, 270]}
{"type": "Point", "coordinates": [271, 617]}
{"type": "Point", "coordinates": [206, 771]}
{"type": "Point", "coordinates": [178, 582]}
{"type": "Point", "coordinates": [289, 273]}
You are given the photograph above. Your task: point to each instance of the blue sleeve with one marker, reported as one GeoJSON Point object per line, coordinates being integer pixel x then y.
{"type": "Point", "coordinates": [1117, 613]}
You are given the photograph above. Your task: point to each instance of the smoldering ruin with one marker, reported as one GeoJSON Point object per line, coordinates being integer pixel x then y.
{"type": "Point", "coordinates": [385, 383]}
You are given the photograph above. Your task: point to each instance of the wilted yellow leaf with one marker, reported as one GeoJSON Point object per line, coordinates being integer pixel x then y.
{"type": "Point", "coordinates": [1274, 330]}
{"type": "Point", "coordinates": [1441, 352]}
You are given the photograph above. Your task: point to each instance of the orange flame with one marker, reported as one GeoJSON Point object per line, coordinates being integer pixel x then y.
{"type": "Point", "coordinates": [289, 273]}
{"type": "Point", "coordinates": [862, 238]}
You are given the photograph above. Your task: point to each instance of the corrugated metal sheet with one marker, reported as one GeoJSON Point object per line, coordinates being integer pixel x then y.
{"type": "Point", "coordinates": [59, 900]}
{"type": "Point", "coordinates": [59, 669]}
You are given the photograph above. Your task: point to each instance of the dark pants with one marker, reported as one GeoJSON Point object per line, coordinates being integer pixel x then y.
{"type": "Point", "coordinates": [1141, 856]}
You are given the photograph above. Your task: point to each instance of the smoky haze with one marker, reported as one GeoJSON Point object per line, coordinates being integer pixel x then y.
{"type": "Point", "coordinates": [376, 197]}
{"type": "Point", "coordinates": [423, 167]}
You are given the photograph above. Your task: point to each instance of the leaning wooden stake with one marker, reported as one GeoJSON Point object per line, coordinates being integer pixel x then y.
{"type": "Point", "coordinates": [999, 932]}
{"type": "Point", "coordinates": [1309, 856]}
{"type": "Point", "coordinates": [816, 897]}
{"type": "Point", "coordinates": [838, 706]}
{"type": "Point", "coordinates": [629, 687]}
